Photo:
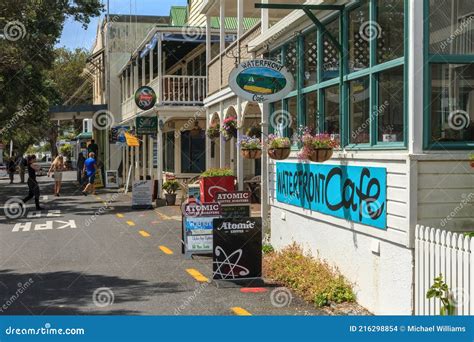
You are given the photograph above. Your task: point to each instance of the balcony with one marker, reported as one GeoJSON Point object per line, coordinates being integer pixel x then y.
{"type": "Point", "coordinates": [183, 90]}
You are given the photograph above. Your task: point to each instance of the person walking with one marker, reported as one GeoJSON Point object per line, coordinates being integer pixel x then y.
{"type": "Point", "coordinates": [57, 167]}
{"type": "Point", "coordinates": [11, 167]}
{"type": "Point", "coordinates": [93, 147]}
{"type": "Point", "coordinates": [23, 165]}
{"type": "Point", "coordinates": [90, 166]}
{"type": "Point", "coordinates": [80, 168]}
{"type": "Point", "coordinates": [33, 187]}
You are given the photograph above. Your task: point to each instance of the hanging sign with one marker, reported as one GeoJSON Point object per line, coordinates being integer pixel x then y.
{"type": "Point", "coordinates": [146, 125]}
{"type": "Point", "coordinates": [145, 98]}
{"type": "Point", "coordinates": [353, 193]}
{"type": "Point", "coordinates": [237, 248]}
{"type": "Point", "coordinates": [117, 134]}
{"type": "Point", "coordinates": [261, 80]}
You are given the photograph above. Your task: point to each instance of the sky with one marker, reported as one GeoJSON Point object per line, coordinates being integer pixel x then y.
{"type": "Point", "coordinates": [74, 36]}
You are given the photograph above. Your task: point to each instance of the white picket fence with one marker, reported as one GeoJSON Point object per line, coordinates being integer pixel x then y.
{"type": "Point", "coordinates": [450, 254]}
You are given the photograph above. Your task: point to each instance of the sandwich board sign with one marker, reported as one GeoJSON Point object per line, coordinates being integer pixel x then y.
{"type": "Point", "coordinates": [237, 248]}
{"type": "Point", "coordinates": [197, 229]}
{"type": "Point", "coordinates": [261, 80]}
{"type": "Point", "coordinates": [234, 204]}
{"type": "Point", "coordinates": [142, 195]}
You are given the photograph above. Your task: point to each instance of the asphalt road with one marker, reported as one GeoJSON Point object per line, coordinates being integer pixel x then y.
{"type": "Point", "coordinates": [82, 257]}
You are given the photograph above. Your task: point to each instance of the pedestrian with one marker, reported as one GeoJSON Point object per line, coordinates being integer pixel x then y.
{"type": "Point", "coordinates": [23, 165]}
{"type": "Point", "coordinates": [33, 187]}
{"type": "Point", "coordinates": [90, 166]}
{"type": "Point", "coordinates": [57, 167]}
{"type": "Point", "coordinates": [80, 167]}
{"type": "Point", "coordinates": [11, 168]}
{"type": "Point", "coordinates": [93, 147]}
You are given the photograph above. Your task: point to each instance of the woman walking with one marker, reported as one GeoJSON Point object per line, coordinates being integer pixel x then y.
{"type": "Point", "coordinates": [57, 167]}
{"type": "Point", "coordinates": [33, 187]}
{"type": "Point", "coordinates": [11, 167]}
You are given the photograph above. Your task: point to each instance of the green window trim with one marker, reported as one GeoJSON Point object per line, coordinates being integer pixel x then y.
{"type": "Point", "coordinates": [372, 71]}
{"type": "Point", "coordinates": [430, 59]}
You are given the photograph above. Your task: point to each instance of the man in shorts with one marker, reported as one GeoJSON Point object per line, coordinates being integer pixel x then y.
{"type": "Point", "coordinates": [90, 166]}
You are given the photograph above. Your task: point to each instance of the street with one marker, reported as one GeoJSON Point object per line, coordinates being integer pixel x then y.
{"type": "Point", "coordinates": [94, 255]}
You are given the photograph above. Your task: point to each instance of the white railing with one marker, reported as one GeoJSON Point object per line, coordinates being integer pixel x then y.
{"type": "Point", "coordinates": [451, 255]}
{"type": "Point", "coordinates": [184, 90]}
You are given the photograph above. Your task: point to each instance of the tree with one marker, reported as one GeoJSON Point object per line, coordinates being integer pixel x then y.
{"type": "Point", "coordinates": [31, 28]}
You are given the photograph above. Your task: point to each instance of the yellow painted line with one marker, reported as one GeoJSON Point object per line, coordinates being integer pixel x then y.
{"type": "Point", "coordinates": [144, 233]}
{"type": "Point", "coordinates": [120, 215]}
{"type": "Point", "coordinates": [240, 311]}
{"type": "Point", "coordinates": [166, 250]}
{"type": "Point", "coordinates": [197, 275]}
{"type": "Point", "coordinates": [163, 216]}
{"type": "Point", "coordinates": [130, 223]}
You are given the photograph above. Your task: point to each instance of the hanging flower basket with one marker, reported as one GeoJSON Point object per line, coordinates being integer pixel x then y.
{"type": "Point", "coordinates": [214, 132]}
{"type": "Point", "coordinates": [251, 154]}
{"type": "Point", "coordinates": [317, 148]}
{"type": "Point", "coordinates": [229, 128]}
{"type": "Point", "coordinates": [320, 155]}
{"type": "Point", "coordinates": [250, 147]}
{"type": "Point", "coordinates": [279, 153]}
{"type": "Point", "coordinates": [279, 148]}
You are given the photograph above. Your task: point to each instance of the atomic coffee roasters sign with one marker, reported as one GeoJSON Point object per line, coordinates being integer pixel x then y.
{"type": "Point", "coordinates": [237, 197]}
{"type": "Point", "coordinates": [145, 98]}
{"type": "Point", "coordinates": [237, 248]}
{"type": "Point", "coordinates": [194, 209]}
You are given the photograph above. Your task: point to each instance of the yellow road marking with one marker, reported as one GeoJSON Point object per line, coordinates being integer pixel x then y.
{"type": "Point", "coordinates": [130, 223]}
{"type": "Point", "coordinates": [144, 233]}
{"type": "Point", "coordinates": [166, 250]}
{"type": "Point", "coordinates": [120, 215]}
{"type": "Point", "coordinates": [197, 275]}
{"type": "Point", "coordinates": [240, 311]}
{"type": "Point", "coordinates": [163, 216]}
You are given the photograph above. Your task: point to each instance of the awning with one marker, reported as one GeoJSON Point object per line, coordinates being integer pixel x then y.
{"type": "Point", "coordinates": [132, 140]}
{"type": "Point", "coordinates": [76, 112]}
{"type": "Point", "coordinates": [84, 136]}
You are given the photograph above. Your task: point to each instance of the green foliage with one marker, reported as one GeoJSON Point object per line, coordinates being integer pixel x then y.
{"type": "Point", "coordinates": [217, 173]}
{"type": "Point", "coordinates": [66, 150]}
{"type": "Point", "coordinates": [267, 248]}
{"type": "Point", "coordinates": [440, 290]}
{"type": "Point", "coordinates": [27, 85]}
{"type": "Point", "coordinates": [311, 278]}
{"type": "Point", "coordinates": [171, 186]}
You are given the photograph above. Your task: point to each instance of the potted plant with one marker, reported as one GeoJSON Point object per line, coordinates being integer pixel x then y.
{"type": "Point", "coordinates": [170, 187]}
{"type": "Point", "coordinates": [216, 180]}
{"type": "Point", "coordinates": [279, 148]}
{"type": "Point", "coordinates": [229, 128]}
{"type": "Point", "coordinates": [317, 147]}
{"type": "Point", "coordinates": [250, 147]}
{"type": "Point", "coordinates": [214, 131]}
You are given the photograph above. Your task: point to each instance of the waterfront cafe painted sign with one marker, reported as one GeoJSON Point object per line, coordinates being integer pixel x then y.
{"type": "Point", "coordinates": [354, 193]}
{"type": "Point", "coordinates": [145, 98]}
{"type": "Point", "coordinates": [261, 80]}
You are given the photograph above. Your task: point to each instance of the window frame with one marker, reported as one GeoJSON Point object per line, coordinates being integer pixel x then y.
{"type": "Point", "coordinates": [372, 72]}
{"type": "Point", "coordinates": [429, 59]}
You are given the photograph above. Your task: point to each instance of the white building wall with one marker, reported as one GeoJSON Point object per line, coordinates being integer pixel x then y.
{"type": "Point", "coordinates": [383, 282]}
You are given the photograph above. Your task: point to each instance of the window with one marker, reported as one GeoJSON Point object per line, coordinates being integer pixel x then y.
{"type": "Point", "coordinates": [310, 58]}
{"type": "Point", "coordinates": [359, 57]}
{"type": "Point", "coordinates": [390, 30]}
{"type": "Point", "coordinates": [193, 159]}
{"type": "Point", "coordinates": [390, 106]}
{"type": "Point", "coordinates": [452, 102]}
{"type": "Point", "coordinates": [451, 27]}
{"type": "Point", "coordinates": [168, 155]}
{"type": "Point", "coordinates": [330, 52]}
{"type": "Point", "coordinates": [289, 117]}
{"type": "Point", "coordinates": [311, 110]}
{"type": "Point", "coordinates": [291, 59]}
{"type": "Point", "coordinates": [359, 111]}
{"type": "Point", "coordinates": [331, 110]}
{"type": "Point", "coordinates": [275, 110]}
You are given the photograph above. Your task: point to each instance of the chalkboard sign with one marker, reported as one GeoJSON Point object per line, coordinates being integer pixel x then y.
{"type": "Point", "coordinates": [237, 248]}
{"type": "Point", "coordinates": [235, 211]}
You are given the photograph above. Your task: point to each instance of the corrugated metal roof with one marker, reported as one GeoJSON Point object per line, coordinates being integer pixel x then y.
{"type": "Point", "coordinates": [178, 15]}
{"type": "Point", "coordinates": [231, 23]}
